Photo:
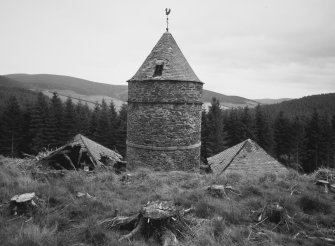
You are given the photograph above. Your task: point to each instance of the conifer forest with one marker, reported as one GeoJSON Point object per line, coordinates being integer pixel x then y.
{"type": "Point", "coordinates": [303, 139]}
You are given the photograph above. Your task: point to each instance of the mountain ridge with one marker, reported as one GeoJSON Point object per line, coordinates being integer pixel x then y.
{"type": "Point", "coordinates": [120, 92]}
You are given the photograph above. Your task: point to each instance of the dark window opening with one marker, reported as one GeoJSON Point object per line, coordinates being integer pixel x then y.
{"type": "Point", "coordinates": [158, 70]}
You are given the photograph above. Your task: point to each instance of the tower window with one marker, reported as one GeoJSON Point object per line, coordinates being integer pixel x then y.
{"type": "Point", "coordinates": [158, 70]}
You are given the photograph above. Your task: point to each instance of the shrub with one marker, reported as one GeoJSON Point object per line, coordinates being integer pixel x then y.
{"type": "Point", "coordinates": [311, 204]}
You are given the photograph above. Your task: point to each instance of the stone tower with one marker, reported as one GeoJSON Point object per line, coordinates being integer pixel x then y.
{"type": "Point", "coordinates": [164, 111]}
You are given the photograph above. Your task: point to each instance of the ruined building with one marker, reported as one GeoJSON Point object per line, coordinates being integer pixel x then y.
{"type": "Point", "coordinates": [164, 111]}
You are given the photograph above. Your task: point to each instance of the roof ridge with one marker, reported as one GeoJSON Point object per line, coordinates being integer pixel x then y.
{"type": "Point", "coordinates": [236, 154]}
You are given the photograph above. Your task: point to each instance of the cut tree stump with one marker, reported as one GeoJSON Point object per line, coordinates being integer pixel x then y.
{"type": "Point", "coordinates": [162, 220]}
{"type": "Point", "coordinates": [23, 204]}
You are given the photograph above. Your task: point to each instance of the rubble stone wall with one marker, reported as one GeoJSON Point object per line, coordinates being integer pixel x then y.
{"type": "Point", "coordinates": [164, 124]}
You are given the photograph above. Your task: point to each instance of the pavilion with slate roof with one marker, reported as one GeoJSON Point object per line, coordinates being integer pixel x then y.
{"type": "Point", "coordinates": [164, 111]}
{"type": "Point", "coordinates": [246, 157]}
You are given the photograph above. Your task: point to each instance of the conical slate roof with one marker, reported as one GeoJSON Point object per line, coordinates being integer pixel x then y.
{"type": "Point", "coordinates": [246, 157]}
{"type": "Point", "coordinates": [166, 53]}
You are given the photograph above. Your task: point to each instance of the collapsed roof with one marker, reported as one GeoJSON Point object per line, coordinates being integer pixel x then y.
{"type": "Point", "coordinates": [82, 153]}
{"type": "Point", "coordinates": [246, 157]}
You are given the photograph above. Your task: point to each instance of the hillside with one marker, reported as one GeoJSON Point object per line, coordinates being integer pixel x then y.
{"type": "Point", "coordinates": [9, 87]}
{"type": "Point", "coordinates": [74, 86]}
{"type": "Point", "coordinates": [74, 208]}
{"type": "Point", "coordinates": [305, 106]}
{"type": "Point", "coordinates": [271, 101]}
{"type": "Point", "coordinates": [80, 86]}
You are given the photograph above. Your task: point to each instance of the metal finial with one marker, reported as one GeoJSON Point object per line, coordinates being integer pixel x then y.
{"type": "Point", "coordinates": [167, 12]}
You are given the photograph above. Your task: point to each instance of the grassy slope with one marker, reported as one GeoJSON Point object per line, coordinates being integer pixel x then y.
{"type": "Point", "coordinates": [64, 219]}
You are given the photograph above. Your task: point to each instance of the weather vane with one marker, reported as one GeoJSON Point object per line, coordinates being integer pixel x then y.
{"type": "Point", "coordinates": [167, 12]}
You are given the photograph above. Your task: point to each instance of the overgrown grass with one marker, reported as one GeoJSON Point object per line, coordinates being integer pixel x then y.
{"type": "Point", "coordinates": [64, 219]}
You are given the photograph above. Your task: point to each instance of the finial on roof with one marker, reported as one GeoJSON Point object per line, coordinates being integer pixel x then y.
{"type": "Point", "coordinates": [167, 12]}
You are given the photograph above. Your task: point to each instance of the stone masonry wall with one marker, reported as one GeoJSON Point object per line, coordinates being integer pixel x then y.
{"type": "Point", "coordinates": [164, 91]}
{"type": "Point", "coordinates": [186, 160]}
{"type": "Point", "coordinates": [164, 124]}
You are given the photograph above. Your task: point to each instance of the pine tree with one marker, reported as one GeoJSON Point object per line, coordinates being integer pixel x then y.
{"type": "Point", "coordinates": [94, 122]}
{"type": "Point", "coordinates": [103, 127]}
{"type": "Point", "coordinates": [83, 115]}
{"type": "Point", "coordinates": [11, 128]}
{"type": "Point", "coordinates": [204, 137]}
{"type": "Point", "coordinates": [333, 141]}
{"type": "Point", "coordinates": [69, 122]}
{"type": "Point", "coordinates": [247, 120]}
{"type": "Point", "coordinates": [54, 122]}
{"type": "Point", "coordinates": [237, 131]}
{"type": "Point", "coordinates": [121, 132]}
{"type": "Point", "coordinates": [298, 143]}
{"type": "Point", "coordinates": [216, 137]}
{"type": "Point", "coordinates": [282, 137]}
{"type": "Point", "coordinates": [311, 160]}
{"type": "Point", "coordinates": [263, 131]}
{"type": "Point", "coordinates": [325, 145]}
{"type": "Point", "coordinates": [25, 145]}
{"type": "Point", "coordinates": [113, 125]}
{"type": "Point", "coordinates": [38, 123]}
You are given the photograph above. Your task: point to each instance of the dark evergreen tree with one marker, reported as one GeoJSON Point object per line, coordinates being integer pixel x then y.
{"type": "Point", "coordinates": [312, 151]}
{"type": "Point", "coordinates": [121, 132]}
{"type": "Point", "coordinates": [113, 125]}
{"type": "Point", "coordinates": [297, 144]}
{"type": "Point", "coordinates": [103, 127]}
{"type": "Point", "coordinates": [54, 126]}
{"type": "Point", "coordinates": [38, 123]}
{"type": "Point", "coordinates": [216, 137]}
{"type": "Point", "coordinates": [282, 134]}
{"type": "Point", "coordinates": [333, 141]}
{"type": "Point", "coordinates": [325, 144]}
{"type": "Point", "coordinates": [237, 131]}
{"type": "Point", "coordinates": [94, 122]}
{"type": "Point", "coordinates": [204, 137]}
{"type": "Point", "coordinates": [247, 120]}
{"type": "Point", "coordinates": [83, 115]}
{"type": "Point", "coordinates": [11, 128]}
{"type": "Point", "coordinates": [69, 121]}
{"type": "Point", "coordinates": [25, 145]}
{"type": "Point", "coordinates": [262, 129]}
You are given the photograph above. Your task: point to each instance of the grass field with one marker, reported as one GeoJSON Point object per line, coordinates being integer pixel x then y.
{"type": "Point", "coordinates": [64, 219]}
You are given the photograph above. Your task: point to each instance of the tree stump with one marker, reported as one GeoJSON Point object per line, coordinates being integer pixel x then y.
{"type": "Point", "coordinates": [274, 213]}
{"type": "Point", "coordinates": [23, 204]}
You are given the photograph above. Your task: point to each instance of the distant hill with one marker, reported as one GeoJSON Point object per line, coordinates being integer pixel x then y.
{"type": "Point", "coordinates": [305, 106]}
{"type": "Point", "coordinates": [9, 87]}
{"type": "Point", "coordinates": [271, 101]}
{"type": "Point", "coordinates": [86, 89]}
{"type": "Point", "coordinates": [80, 86]}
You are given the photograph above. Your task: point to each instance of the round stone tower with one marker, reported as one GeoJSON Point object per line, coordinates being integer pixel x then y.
{"type": "Point", "coordinates": [164, 111]}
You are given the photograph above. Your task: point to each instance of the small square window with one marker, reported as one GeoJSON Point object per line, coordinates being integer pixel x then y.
{"type": "Point", "coordinates": [158, 70]}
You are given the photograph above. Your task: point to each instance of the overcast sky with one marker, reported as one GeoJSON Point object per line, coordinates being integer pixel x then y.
{"type": "Point", "coordinates": [254, 49]}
